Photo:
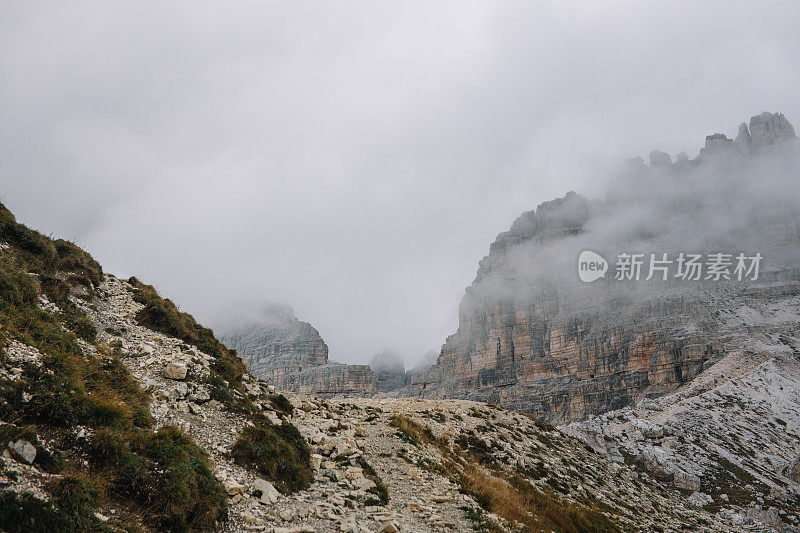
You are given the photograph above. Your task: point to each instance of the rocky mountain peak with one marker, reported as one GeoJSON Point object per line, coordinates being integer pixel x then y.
{"type": "Point", "coordinates": [292, 356]}
{"type": "Point", "coordinates": [389, 368]}
{"type": "Point", "coordinates": [770, 128]}
{"type": "Point", "coordinates": [765, 130]}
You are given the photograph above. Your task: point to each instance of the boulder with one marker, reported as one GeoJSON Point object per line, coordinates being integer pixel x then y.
{"type": "Point", "coordinates": [145, 350]}
{"type": "Point", "coordinates": [23, 451]}
{"type": "Point", "coordinates": [654, 462]}
{"type": "Point", "coordinates": [388, 527]}
{"type": "Point", "coordinates": [699, 499]}
{"type": "Point", "coordinates": [175, 371]}
{"type": "Point", "coordinates": [684, 480]}
{"type": "Point", "coordinates": [233, 487]}
{"type": "Point", "coordinates": [269, 494]}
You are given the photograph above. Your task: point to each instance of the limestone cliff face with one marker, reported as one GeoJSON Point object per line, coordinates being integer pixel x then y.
{"type": "Point", "coordinates": [292, 356]}
{"type": "Point", "coordinates": [532, 337]}
{"type": "Point", "coordinates": [333, 379]}
{"type": "Point", "coordinates": [389, 369]}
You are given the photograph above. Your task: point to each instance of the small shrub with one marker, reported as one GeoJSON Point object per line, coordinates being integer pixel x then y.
{"type": "Point", "coordinates": [71, 508]}
{"type": "Point", "coordinates": [477, 447]}
{"type": "Point", "coordinates": [82, 326]}
{"type": "Point", "coordinates": [281, 403]}
{"type": "Point", "coordinates": [379, 490]}
{"type": "Point", "coordinates": [165, 473]}
{"type": "Point", "coordinates": [25, 514]}
{"type": "Point", "coordinates": [76, 498]}
{"type": "Point", "coordinates": [163, 315]}
{"type": "Point", "coordinates": [277, 452]}
{"type": "Point", "coordinates": [413, 432]}
{"type": "Point", "coordinates": [75, 390]}
{"type": "Point", "coordinates": [230, 368]}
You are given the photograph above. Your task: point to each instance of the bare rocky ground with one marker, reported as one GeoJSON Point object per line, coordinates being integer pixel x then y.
{"type": "Point", "coordinates": [346, 435]}
{"type": "Point", "coordinates": [730, 438]}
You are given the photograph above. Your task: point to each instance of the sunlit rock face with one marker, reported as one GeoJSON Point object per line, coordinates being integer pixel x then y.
{"type": "Point", "coordinates": [533, 337]}
{"type": "Point", "coordinates": [292, 356]}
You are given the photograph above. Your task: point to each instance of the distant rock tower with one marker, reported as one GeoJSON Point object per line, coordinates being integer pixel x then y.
{"type": "Point", "coordinates": [770, 128]}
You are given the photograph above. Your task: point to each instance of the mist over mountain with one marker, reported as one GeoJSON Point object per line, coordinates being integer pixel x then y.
{"type": "Point", "coordinates": [354, 161]}
{"type": "Point", "coordinates": [532, 335]}
{"type": "Point", "coordinates": [382, 267]}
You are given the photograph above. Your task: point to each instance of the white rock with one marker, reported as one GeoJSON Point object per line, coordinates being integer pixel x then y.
{"type": "Point", "coordinates": [316, 460]}
{"type": "Point", "coordinates": [233, 487]}
{"type": "Point", "coordinates": [249, 518]}
{"type": "Point", "coordinates": [175, 371]}
{"type": "Point", "coordinates": [24, 451]}
{"type": "Point", "coordinates": [269, 494]}
{"type": "Point", "coordinates": [180, 390]}
{"type": "Point", "coordinates": [699, 499]}
{"type": "Point", "coordinates": [364, 483]}
{"type": "Point", "coordinates": [145, 351]}
{"type": "Point", "coordinates": [201, 395]}
{"type": "Point", "coordinates": [388, 527]}
{"type": "Point", "coordinates": [683, 480]}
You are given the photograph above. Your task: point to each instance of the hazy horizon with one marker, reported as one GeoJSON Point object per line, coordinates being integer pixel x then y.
{"type": "Point", "coordinates": [354, 163]}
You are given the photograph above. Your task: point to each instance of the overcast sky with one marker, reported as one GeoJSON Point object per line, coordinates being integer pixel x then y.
{"type": "Point", "coordinates": [354, 159]}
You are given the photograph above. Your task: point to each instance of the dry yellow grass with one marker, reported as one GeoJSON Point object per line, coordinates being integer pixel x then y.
{"type": "Point", "coordinates": [507, 494]}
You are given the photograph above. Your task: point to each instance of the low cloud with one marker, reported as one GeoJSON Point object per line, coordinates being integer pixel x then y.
{"type": "Point", "coordinates": [353, 160]}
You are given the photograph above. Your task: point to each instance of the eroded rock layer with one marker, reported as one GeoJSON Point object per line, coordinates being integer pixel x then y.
{"type": "Point", "coordinates": [291, 356]}
{"type": "Point", "coordinates": [535, 338]}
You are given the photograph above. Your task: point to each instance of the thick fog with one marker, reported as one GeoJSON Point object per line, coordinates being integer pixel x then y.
{"type": "Point", "coordinates": [355, 160]}
{"type": "Point", "coordinates": [729, 201]}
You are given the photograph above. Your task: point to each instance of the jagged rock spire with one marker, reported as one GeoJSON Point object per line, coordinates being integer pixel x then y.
{"type": "Point", "coordinates": [660, 159]}
{"type": "Point", "coordinates": [743, 140]}
{"type": "Point", "coordinates": [765, 129]}
{"type": "Point", "coordinates": [770, 128]}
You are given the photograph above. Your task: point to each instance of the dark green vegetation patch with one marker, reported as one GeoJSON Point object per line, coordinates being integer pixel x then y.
{"type": "Point", "coordinates": [164, 474]}
{"type": "Point", "coordinates": [277, 452]}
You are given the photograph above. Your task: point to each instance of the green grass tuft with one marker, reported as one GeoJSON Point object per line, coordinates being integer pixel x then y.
{"type": "Point", "coordinates": [165, 473]}
{"type": "Point", "coordinates": [163, 315]}
{"type": "Point", "coordinates": [278, 453]}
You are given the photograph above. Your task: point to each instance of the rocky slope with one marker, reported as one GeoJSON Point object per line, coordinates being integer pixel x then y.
{"type": "Point", "coordinates": [120, 412]}
{"type": "Point", "coordinates": [733, 433]}
{"type": "Point", "coordinates": [694, 382]}
{"type": "Point", "coordinates": [291, 356]}
{"type": "Point", "coordinates": [378, 465]}
{"type": "Point", "coordinates": [358, 445]}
